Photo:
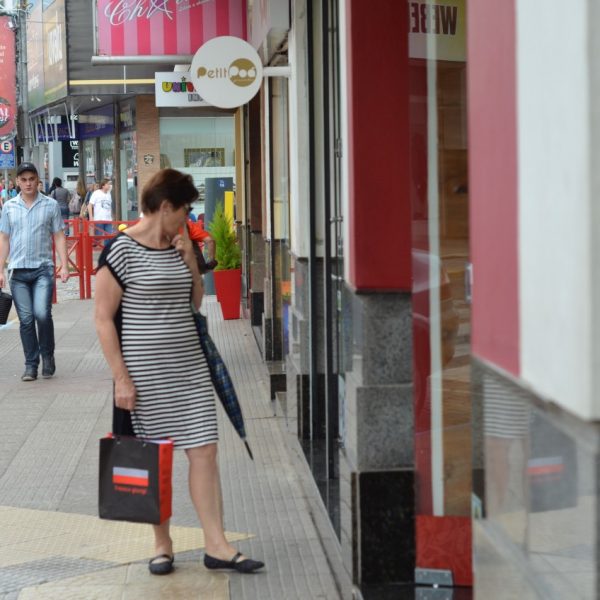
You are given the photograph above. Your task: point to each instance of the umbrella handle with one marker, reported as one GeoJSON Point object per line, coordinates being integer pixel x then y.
{"type": "Point", "coordinates": [248, 448]}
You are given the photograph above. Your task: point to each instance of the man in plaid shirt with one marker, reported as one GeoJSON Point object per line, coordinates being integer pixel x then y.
{"type": "Point", "coordinates": [29, 223]}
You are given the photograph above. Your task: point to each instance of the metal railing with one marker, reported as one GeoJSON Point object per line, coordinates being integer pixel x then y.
{"type": "Point", "coordinates": [85, 242]}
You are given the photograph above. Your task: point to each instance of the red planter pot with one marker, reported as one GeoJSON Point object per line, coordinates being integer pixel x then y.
{"type": "Point", "coordinates": [229, 291]}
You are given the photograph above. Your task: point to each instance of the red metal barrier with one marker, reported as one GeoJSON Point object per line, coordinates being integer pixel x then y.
{"type": "Point", "coordinates": [95, 237]}
{"type": "Point", "coordinates": [74, 255]}
{"type": "Point", "coordinates": [85, 242]}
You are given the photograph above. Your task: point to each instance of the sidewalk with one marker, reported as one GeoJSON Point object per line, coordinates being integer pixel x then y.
{"type": "Point", "coordinates": [54, 546]}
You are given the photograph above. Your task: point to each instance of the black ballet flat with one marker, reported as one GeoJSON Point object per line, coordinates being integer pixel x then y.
{"type": "Point", "coordinates": [241, 566]}
{"type": "Point", "coordinates": [164, 567]}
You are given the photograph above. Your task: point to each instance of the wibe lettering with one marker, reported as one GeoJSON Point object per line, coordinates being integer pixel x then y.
{"type": "Point", "coordinates": [433, 18]}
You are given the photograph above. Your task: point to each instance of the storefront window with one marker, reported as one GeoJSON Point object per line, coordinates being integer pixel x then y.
{"type": "Point", "coordinates": [281, 211]}
{"type": "Point", "coordinates": [128, 164]}
{"type": "Point", "coordinates": [98, 158]}
{"type": "Point", "coordinates": [201, 146]}
{"type": "Point", "coordinates": [107, 151]}
{"type": "Point", "coordinates": [441, 302]}
{"type": "Point", "coordinates": [325, 299]}
{"type": "Point", "coordinates": [89, 160]}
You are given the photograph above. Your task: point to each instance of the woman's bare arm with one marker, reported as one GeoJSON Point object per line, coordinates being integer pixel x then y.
{"type": "Point", "coordinates": [108, 299]}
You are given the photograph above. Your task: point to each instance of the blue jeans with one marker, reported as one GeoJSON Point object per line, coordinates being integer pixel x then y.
{"type": "Point", "coordinates": [32, 295]}
{"type": "Point", "coordinates": [103, 229]}
{"type": "Point", "coordinates": [64, 213]}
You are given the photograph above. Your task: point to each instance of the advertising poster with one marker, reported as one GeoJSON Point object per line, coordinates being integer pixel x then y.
{"type": "Point", "coordinates": [35, 56]}
{"type": "Point", "coordinates": [55, 51]}
{"type": "Point", "coordinates": [8, 82]}
{"type": "Point", "coordinates": [70, 154]}
{"type": "Point", "coordinates": [97, 122]}
{"type": "Point", "coordinates": [148, 27]}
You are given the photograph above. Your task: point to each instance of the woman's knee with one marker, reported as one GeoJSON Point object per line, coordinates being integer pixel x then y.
{"type": "Point", "coordinates": [207, 453]}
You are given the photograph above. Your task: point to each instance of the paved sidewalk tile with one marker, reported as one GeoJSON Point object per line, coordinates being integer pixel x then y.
{"type": "Point", "coordinates": [34, 535]}
{"type": "Point", "coordinates": [49, 435]}
{"type": "Point", "coordinates": [187, 582]}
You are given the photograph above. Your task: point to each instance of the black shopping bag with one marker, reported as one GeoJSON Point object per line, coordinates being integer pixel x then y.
{"type": "Point", "coordinates": [5, 306]}
{"type": "Point", "coordinates": [135, 479]}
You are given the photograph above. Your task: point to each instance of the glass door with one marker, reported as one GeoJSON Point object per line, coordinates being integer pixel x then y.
{"type": "Point", "coordinates": [128, 164]}
{"type": "Point", "coordinates": [441, 311]}
{"type": "Point", "coordinates": [90, 161]}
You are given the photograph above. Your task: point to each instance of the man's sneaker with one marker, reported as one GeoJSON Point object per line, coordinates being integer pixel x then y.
{"type": "Point", "coordinates": [29, 375]}
{"type": "Point", "coordinates": [48, 367]}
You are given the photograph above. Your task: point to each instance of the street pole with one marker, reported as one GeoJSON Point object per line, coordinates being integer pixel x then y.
{"type": "Point", "coordinates": [23, 82]}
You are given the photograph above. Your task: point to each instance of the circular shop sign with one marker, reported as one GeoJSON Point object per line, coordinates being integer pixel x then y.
{"type": "Point", "coordinates": [227, 72]}
{"type": "Point", "coordinates": [6, 147]}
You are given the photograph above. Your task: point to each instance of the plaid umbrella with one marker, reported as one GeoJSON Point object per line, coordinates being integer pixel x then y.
{"type": "Point", "coordinates": [221, 379]}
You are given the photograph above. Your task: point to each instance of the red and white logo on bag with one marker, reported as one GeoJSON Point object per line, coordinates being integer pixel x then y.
{"type": "Point", "coordinates": [123, 476]}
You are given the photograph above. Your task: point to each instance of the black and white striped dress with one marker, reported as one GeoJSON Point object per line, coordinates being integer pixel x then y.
{"type": "Point", "coordinates": [160, 345]}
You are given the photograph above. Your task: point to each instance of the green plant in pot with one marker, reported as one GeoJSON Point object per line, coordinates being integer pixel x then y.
{"type": "Point", "coordinates": [227, 273]}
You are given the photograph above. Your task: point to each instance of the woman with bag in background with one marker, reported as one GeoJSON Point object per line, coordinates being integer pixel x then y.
{"type": "Point", "coordinates": [77, 199]}
{"type": "Point", "coordinates": [62, 196]}
{"type": "Point", "coordinates": [147, 276]}
{"type": "Point", "coordinates": [84, 212]}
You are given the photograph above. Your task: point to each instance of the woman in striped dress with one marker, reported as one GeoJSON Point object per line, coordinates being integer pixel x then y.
{"type": "Point", "coordinates": [146, 280]}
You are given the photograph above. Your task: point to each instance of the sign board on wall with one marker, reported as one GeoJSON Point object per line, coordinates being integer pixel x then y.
{"type": "Point", "coordinates": [70, 154]}
{"type": "Point", "coordinates": [175, 88]}
{"type": "Point", "coordinates": [445, 20]}
{"type": "Point", "coordinates": [227, 72]}
{"type": "Point", "coordinates": [56, 132]}
{"type": "Point", "coordinates": [7, 155]}
{"type": "Point", "coordinates": [97, 122]}
{"type": "Point", "coordinates": [35, 56]}
{"type": "Point", "coordinates": [55, 51]}
{"type": "Point", "coordinates": [155, 27]}
{"type": "Point", "coordinates": [8, 82]}
{"type": "Point", "coordinates": [46, 52]}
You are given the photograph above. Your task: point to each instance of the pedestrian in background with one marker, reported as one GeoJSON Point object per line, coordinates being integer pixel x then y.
{"type": "Point", "coordinates": [200, 236]}
{"type": "Point", "coordinates": [62, 196]}
{"type": "Point", "coordinates": [28, 224]}
{"type": "Point", "coordinates": [9, 191]}
{"type": "Point", "coordinates": [77, 199]}
{"type": "Point", "coordinates": [100, 207]}
{"type": "Point", "coordinates": [90, 189]}
{"type": "Point", "coordinates": [145, 281]}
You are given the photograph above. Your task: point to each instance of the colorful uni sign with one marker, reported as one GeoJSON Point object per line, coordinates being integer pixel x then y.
{"type": "Point", "coordinates": [175, 88]}
{"type": "Point", "coordinates": [155, 27]}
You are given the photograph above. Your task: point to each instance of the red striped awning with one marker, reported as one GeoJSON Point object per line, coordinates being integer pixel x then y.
{"type": "Point", "coordinates": [158, 27]}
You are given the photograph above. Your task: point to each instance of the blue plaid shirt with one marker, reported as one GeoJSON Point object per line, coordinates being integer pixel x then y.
{"type": "Point", "coordinates": [30, 230]}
